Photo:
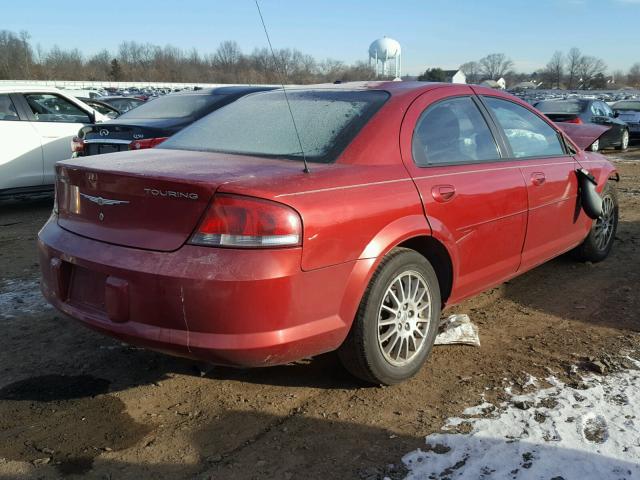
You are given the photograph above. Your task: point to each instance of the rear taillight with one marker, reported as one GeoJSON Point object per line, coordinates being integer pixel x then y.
{"type": "Point", "coordinates": [574, 120]}
{"type": "Point", "coordinates": [245, 222]}
{"type": "Point", "coordinates": [146, 143]}
{"type": "Point", "coordinates": [77, 145]}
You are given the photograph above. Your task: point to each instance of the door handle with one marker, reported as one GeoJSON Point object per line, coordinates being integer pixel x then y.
{"type": "Point", "coordinates": [443, 193]}
{"type": "Point", "coordinates": [538, 178]}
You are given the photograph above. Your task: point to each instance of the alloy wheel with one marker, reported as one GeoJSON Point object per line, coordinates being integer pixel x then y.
{"type": "Point", "coordinates": [404, 318]}
{"type": "Point", "coordinates": [605, 223]}
{"type": "Point", "coordinates": [624, 143]}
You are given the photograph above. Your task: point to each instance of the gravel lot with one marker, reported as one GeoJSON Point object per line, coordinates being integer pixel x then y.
{"type": "Point", "coordinates": [75, 403]}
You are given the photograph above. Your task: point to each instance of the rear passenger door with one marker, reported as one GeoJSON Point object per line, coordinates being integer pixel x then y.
{"type": "Point", "coordinates": [475, 202]}
{"type": "Point", "coordinates": [549, 172]}
{"type": "Point", "coordinates": [20, 148]}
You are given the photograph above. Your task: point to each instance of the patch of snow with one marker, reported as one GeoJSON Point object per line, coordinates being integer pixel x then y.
{"type": "Point", "coordinates": [483, 409]}
{"type": "Point", "coordinates": [21, 297]}
{"type": "Point", "coordinates": [531, 382]}
{"type": "Point", "coordinates": [558, 432]}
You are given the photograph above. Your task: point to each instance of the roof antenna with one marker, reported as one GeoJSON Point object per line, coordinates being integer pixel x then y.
{"type": "Point", "coordinates": [284, 90]}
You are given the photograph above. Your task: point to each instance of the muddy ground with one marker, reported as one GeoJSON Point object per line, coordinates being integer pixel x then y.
{"type": "Point", "coordinates": [76, 404]}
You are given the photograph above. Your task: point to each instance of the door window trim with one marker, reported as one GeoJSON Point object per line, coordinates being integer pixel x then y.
{"type": "Point", "coordinates": [488, 122]}
{"type": "Point", "coordinates": [511, 157]}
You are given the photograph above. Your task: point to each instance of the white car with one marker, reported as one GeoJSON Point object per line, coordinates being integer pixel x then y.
{"type": "Point", "coordinates": [36, 128]}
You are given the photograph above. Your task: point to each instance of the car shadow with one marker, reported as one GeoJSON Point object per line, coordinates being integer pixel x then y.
{"type": "Point", "coordinates": [587, 292]}
{"type": "Point", "coordinates": [303, 447]}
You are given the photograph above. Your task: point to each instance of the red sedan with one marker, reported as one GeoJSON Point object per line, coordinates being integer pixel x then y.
{"type": "Point", "coordinates": [218, 245]}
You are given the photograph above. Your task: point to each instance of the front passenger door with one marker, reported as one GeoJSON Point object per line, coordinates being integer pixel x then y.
{"type": "Point", "coordinates": [549, 173]}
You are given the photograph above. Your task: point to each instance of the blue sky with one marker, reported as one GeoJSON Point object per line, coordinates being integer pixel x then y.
{"type": "Point", "coordinates": [432, 32]}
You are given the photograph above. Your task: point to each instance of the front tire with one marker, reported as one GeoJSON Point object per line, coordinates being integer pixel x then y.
{"type": "Point", "coordinates": [397, 321]}
{"type": "Point", "coordinates": [598, 244]}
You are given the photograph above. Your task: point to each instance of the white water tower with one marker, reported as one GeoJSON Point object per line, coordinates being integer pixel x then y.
{"type": "Point", "coordinates": [387, 55]}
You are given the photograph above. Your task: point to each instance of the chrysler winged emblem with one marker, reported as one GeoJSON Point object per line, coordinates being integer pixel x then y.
{"type": "Point", "coordinates": [103, 201]}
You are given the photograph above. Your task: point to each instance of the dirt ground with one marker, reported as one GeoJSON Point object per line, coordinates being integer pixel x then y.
{"type": "Point", "coordinates": [76, 404]}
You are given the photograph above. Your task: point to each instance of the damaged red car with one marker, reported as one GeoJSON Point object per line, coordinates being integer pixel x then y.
{"type": "Point", "coordinates": [219, 245]}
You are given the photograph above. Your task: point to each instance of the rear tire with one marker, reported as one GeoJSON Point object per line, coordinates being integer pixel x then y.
{"type": "Point", "coordinates": [397, 321]}
{"type": "Point", "coordinates": [598, 244]}
{"type": "Point", "coordinates": [624, 141]}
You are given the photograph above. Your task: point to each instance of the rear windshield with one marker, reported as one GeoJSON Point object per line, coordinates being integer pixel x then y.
{"type": "Point", "coordinates": [260, 124]}
{"type": "Point", "coordinates": [628, 105]}
{"type": "Point", "coordinates": [576, 106]}
{"type": "Point", "coordinates": [173, 106]}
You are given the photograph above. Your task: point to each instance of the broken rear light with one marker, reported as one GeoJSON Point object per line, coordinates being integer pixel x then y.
{"type": "Point", "coordinates": [77, 145]}
{"type": "Point", "coordinates": [246, 222]}
{"type": "Point", "coordinates": [576, 120]}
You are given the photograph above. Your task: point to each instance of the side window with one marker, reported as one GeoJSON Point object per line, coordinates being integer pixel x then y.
{"type": "Point", "coordinates": [606, 109]}
{"type": "Point", "coordinates": [528, 134]}
{"type": "Point", "coordinates": [7, 109]}
{"type": "Point", "coordinates": [47, 107]}
{"type": "Point", "coordinates": [452, 131]}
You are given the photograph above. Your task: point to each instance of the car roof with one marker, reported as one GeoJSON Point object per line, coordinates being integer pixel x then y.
{"type": "Point", "coordinates": [118, 97]}
{"type": "Point", "coordinates": [27, 88]}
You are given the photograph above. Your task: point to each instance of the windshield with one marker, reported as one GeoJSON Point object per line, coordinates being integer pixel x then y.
{"type": "Point", "coordinates": [173, 106]}
{"type": "Point", "coordinates": [576, 106]}
{"type": "Point", "coordinates": [628, 105]}
{"type": "Point", "coordinates": [260, 124]}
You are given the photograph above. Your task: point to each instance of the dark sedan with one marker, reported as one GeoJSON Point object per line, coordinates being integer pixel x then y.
{"type": "Point", "coordinates": [153, 122]}
{"type": "Point", "coordinates": [589, 111]}
{"type": "Point", "coordinates": [629, 111]}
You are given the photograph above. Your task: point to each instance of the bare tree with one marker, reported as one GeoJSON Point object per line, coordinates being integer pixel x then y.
{"type": "Point", "coordinates": [633, 77]}
{"type": "Point", "coordinates": [590, 69]}
{"type": "Point", "coordinates": [555, 69]}
{"type": "Point", "coordinates": [472, 71]}
{"type": "Point", "coordinates": [574, 58]}
{"type": "Point", "coordinates": [495, 65]}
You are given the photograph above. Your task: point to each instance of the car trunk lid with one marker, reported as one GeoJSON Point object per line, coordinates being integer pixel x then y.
{"type": "Point", "coordinates": [151, 199]}
{"type": "Point", "coordinates": [111, 137]}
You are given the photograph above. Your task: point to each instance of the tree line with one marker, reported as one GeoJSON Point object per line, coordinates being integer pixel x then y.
{"type": "Point", "coordinates": [145, 62]}
{"type": "Point", "coordinates": [573, 70]}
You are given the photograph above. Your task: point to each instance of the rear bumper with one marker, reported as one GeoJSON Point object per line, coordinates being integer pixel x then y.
{"type": "Point", "coordinates": [232, 307]}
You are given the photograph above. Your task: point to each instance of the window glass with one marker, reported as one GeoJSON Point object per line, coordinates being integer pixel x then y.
{"type": "Point", "coordinates": [260, 124]}
{"type": "Point", "coordinates": [528, 134]}
{"type": "Point", "coordinates": [172, 106]}
{"type": "Point", "coordinates": [606, 109]}
{"type": "Point", "coordinates": [633, 105]}
{"type": "Point", "coordinates": [561, 106]}
{"type": "Point", "coordinates": [7, 110]}
{"type": "Point", "coordinates": [48, 107]}
{"type": "Point", "coordinates": [453, 131]}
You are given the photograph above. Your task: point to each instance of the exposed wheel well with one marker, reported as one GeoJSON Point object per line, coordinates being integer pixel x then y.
{"type": "Point", "coordinates": [437, 254]}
